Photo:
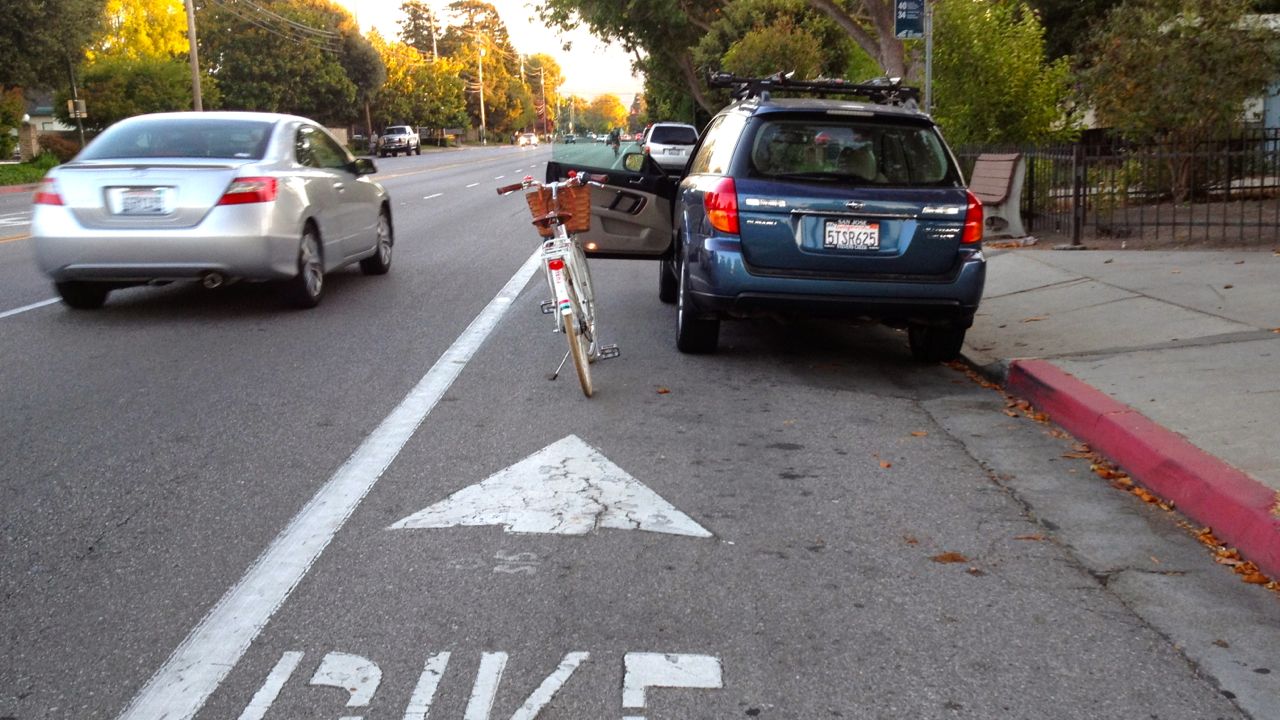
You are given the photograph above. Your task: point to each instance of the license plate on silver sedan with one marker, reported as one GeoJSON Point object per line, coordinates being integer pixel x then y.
{"type": "Point", "coordinates": [140, 200]}
{"type": "Point", "coordinates": [851, 235]}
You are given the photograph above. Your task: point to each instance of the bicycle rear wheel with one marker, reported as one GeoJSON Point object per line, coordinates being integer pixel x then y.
{"type": "Point", "coordinates": [578, 344]}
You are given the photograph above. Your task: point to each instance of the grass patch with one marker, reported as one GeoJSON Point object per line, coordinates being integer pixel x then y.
{"type": "Point", "coordinates": [27, 172]}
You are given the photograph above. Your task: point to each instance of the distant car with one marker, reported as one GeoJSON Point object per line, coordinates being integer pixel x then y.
{"type": "Point", "coordinates": [398, 139]}
{"type": "Point", "coordinates": [213, 197]}
{"type": "Point", "coordinates": [670, 143]}
{"type": "Point", "coordinates": [528, 139]}
{"type": "Point", "coordinates": [570, 139]}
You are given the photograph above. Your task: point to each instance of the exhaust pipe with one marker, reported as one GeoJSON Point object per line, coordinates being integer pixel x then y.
{"type": "Point", "coordinates": [212, 280]}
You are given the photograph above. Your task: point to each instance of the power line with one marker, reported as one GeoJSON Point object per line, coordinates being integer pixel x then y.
{"type": "Point", "coordinates": [320, 40]}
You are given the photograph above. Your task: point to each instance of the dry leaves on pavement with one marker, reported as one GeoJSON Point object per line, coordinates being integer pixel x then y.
{"type": "Point", "coordinates": [949, 557]}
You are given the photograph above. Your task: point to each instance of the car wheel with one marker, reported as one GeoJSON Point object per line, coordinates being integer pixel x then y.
{"type": "Point", "coordinates": [380, 261]}
{"type": "Point", "coordinates": [417, 150]}
{"type": "Point", "coordinates": [306, 289]}
{"type": "Point", "coordinates": [693, 334]}
{"type": "Point", "coordinates": [82, 295]}
{"type": "Point", "coordinates": [668, 283]}
{"type": "Point", "coordinates": [934, 343]}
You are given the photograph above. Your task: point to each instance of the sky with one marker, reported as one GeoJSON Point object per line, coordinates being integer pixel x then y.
{"type": "Point", "coordinates": [590, 68]}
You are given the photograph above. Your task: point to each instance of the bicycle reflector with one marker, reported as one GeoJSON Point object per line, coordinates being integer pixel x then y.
{"type": "Point", "coordinates": [556, 264]}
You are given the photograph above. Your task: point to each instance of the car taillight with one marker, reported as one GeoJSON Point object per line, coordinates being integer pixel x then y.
{"type": "Point", "coordinates": [47, 193]}
{"type": "Point", "coordinates": [972, 221]}
{"type": "Point", "coordinates": [646, 149]}
{"type": "Point", "coordinates": [721, 203]}
{"type": "Point", "coordinates": [249, 190]}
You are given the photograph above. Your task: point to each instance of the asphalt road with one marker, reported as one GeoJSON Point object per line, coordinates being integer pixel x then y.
{"type": "Point", "coordinates": [212, 506]}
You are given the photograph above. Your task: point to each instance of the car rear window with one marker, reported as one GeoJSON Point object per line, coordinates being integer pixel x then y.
{"type": "Point", "coordinates": [850, 151]}
{"type": "Point", "coordinates": [674, 135]}
{"type": "Point", "coordinates": [181, 137]}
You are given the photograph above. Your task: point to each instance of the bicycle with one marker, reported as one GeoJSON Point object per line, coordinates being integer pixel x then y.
{"type": "Point", "coordinates": [560, 210]}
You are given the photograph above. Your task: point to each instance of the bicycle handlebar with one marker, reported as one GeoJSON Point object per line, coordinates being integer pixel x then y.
{"type": "Point", "coordinates": [581, 178]}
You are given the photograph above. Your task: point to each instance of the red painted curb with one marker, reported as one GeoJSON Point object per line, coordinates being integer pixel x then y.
{"type": "Point", "coordinates": [1240, 510]}
{"type": "Point", "coordinates": [7, 189]}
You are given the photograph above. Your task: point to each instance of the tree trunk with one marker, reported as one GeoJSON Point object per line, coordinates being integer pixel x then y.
{"type": "Point", "coordinates": [685, 63]}
{"type": "Point", "coordinates": [883, 47]}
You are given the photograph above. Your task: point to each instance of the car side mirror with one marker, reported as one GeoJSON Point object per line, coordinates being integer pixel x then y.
{"type": "Point", "coordinates": [364, 166]}
{"type": "Point", "coordinates": [633, 162]}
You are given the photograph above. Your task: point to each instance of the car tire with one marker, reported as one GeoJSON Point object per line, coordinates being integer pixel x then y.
{"type": "Point", "coordinates": [307, 287]}
{"type": "Point", "coordinates": [694, 335]}
{"type": "Point", "coordinates": [668, 283]}
{"type": "Point", "coordinates": [380, 261]}
{"type": "Point", "coordinates": [82, 295]}
{"type": "Point", "coordinates": [935, 343]}
{"type": "Point", "coordinates": [417, 150]}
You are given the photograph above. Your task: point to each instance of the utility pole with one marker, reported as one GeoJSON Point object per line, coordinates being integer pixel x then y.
{"type": "Point", "coordinates": [546, 109]}
{"type": "Point", "coordinates": [76, 104]}
{"type": "Point", "coordinates": [483, 130]}
{"type": "Point", "coordinates": [195, 57]}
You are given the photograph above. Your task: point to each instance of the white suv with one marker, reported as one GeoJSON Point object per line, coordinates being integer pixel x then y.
{"type": "Point", "coordinates": [399, 139]}
{"type": "Point", "coordinates": [669, 144]}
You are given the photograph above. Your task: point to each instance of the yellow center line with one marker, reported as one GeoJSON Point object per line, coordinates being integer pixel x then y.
{"type": "Point", "coordinates": [15, 238]}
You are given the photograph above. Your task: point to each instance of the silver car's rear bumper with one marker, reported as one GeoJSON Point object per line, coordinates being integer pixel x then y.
{"type": "Point", "coordinates": [238, 241]}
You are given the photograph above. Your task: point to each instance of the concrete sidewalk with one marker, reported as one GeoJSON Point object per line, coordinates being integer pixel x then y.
{"type": "Point", "coordinates": [1168, 363]}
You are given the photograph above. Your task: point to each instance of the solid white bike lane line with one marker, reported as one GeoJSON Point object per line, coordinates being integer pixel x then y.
{"type": "Point", "coordinates": [202, 661]}
{"type": "Point", "coordinates": [24, 308]}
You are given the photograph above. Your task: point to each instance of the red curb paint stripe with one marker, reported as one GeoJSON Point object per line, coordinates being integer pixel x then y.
{"type": "Point", "coordinates": [9, 189]}
{"type": "Point", "coordinates": [1237, 507]}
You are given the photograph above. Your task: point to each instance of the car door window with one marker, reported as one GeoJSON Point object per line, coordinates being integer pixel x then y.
{"type": "Point", "coordinates": [315, 149]}
{"type": "Point", "coordinates": [717, 146]}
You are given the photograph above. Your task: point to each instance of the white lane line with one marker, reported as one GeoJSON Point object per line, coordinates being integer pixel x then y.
{"type": "Point", "coordinates": [433, 195]}
{"type": "Point", "coordinates": [24, 308]}
{"type": "Point", "coordinates": [473, 185]}
{"type": "Point", "coordinates": [202, 661]}
{"type": "Point", "coordinates": [270, 690]}
{"type": "Point", "coordinates": [499, 177]}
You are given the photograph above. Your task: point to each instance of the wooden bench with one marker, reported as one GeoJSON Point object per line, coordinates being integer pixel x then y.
{"type": "Point", "coordinates": [997, 182]}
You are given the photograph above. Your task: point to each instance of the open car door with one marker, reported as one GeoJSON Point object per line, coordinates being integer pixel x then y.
{"type": "Point", "coordinates": [631, 216]}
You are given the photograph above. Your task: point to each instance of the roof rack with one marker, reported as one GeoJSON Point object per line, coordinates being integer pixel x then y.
{"type": "Point", "coordinates": [881, 91]}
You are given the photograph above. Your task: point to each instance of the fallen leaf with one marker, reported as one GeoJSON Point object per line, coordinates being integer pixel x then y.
{"type": "Point", "coordinates": [663, 391]}
{"type": "Point", "coordinates": [1010, 413]}
{"type": "Point", "coordinates": [1255, 578]}
{"type": "Point", "coordinates": [919, 433]}
{"type": "Point", "coordinates": [1222, 643]}
{"type": "Point", "coordinates": [949, 557]}
{"type": "Point", "coordinates": [1227, 287]}
{"type": "Point", "coordinates": [1078, 455]}
{"type": "Point", "coordinates": [1037, 537]}
{"type": "Point", "coordinates": [1037, 318]}
{"type": "Point", "coordinates": [910, 540]}
{"type": "Point", "coordinates": [886, 464]}
{"type": "Point", "coordinates": [975, 572]}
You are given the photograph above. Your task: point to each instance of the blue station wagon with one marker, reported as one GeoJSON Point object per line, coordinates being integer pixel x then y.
{"type": "Point", "coordinates": [848, 205]}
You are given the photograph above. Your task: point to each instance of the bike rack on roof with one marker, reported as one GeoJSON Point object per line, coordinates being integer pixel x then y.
{"type": "Point", "coordinates": [881, 91]}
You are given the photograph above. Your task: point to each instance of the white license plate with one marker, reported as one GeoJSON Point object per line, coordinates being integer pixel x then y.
{"type": "Point", "coordinates": [141, 201]}
{"type": "Point", "coordinates": [674, 151]}
{"type": "Point", "coordinates": [852, 235]}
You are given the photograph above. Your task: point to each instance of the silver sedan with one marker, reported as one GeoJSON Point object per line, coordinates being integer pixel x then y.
{"type": "Point", "coordinates": [213, 197]}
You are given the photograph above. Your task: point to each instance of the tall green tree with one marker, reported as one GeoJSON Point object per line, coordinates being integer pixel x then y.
{"type": "Point", "coordinates": [605, 113]}
{"type": "Point", "coordinates": [475, 35]}
{"type": "Point", "coordinates": [419, 26]}
{"type": "Point", "coordinates": [40, 38]}
{"type": "Point", "coordinates": [544, 79]}
{"type": "Point", "coordinates": [117, 86]}
{"type": "Point", "coordinates": [292, 64]}
{"type": "Point", "coordinates": [1178, 72]}
{"type": "Point", "coordinates": [418, 91]}
{"type": "Point", "coordinates": [992, 83]}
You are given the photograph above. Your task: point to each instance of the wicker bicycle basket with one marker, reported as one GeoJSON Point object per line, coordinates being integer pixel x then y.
{"type": "Point", "coordinates": [575, 200]}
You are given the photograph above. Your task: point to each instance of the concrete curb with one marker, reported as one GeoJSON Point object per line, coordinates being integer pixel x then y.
{"type": "Point", "coordinates": [1241, 511]}
{"type": "Point", "coordinates": [9, 189]}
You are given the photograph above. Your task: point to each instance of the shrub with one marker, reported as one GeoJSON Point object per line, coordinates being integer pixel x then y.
{"type": "Point", "coordinates": [62, 148]}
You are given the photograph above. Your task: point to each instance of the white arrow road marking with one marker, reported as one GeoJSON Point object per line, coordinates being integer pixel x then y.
{"type": "Point", "coordinates": [567, 488]}
{"type": "Point", "coordinates": [359, 676]}
{"type": "Point", "coordinates": [202, 660]}
{"type": "Point", "coordinates": [270, 690]}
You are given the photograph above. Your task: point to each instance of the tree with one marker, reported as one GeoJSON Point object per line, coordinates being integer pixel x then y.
{"type": "Point", "coordinates": [142, 28]}
{"type": "Point", "coordinates": [289, 61]}
{"type": "Point", "coordinates": [1177, 72]}
{"type": "Point", "coordinates": [778, 47]}
{"type": "Point", "coordinates": [12, 108]}
{"type": "Point", "coordinates": [1067, 23]}
{"type": "Point", "coordinates": [39, 39]}
{"type": "Point", "coordinates": [545, 79]}
{"type": "Point", "coordinates": [992, 83]}
{"type": "Point", "coordinates": [605, 113]}
{"type": "Point", "coordinates": [417, 91]}
{"type": "Point", "coordinates": [418, 27]}
{"type": "Point", "coordinates": [116, 87]}
{"type": "Point", "coordinates": [475, 28]}
{"type": "Point", "coordinates": [871, 25]}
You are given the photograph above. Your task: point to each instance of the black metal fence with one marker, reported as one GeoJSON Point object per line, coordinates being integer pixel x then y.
{"type": "Point", "coordinates": [1225, 191]}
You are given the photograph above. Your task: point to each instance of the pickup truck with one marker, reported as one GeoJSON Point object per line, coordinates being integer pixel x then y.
{"type": "Point", "coordinates": [398, 139]}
